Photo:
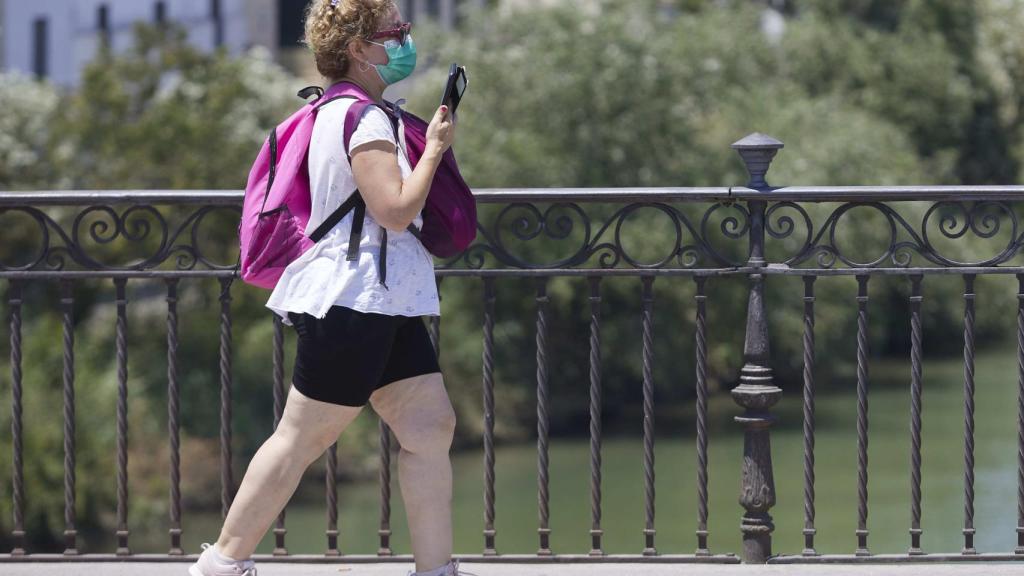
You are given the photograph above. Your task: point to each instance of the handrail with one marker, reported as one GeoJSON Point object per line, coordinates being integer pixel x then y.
{"type": "Point", "coordinates": [504, 195]}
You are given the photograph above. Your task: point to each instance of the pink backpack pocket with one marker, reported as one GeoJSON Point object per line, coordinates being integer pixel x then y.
{"type": "Point", "coordinates": [278, 240]}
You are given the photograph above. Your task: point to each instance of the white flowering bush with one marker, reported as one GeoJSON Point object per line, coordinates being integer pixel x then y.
{"type": "Point", "coordinates": [164, 115]}
{"type": "Point", "coordinates": [275, 91]}
{"type": "Point", "coordinates": [26, 113]}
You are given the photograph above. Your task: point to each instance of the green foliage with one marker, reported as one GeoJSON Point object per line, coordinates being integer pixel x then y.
{"type": "Point", "coordinates": [160, 115]}
{"type": "Point", "coordinates": [1000, 59]}
{"type": "Point", "coordinates": [973, 127]}
{"type": "Point", "coordinates": [616, 95]}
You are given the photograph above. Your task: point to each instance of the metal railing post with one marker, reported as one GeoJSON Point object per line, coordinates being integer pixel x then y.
{"type": "Point", "coordinates": [756, 392]}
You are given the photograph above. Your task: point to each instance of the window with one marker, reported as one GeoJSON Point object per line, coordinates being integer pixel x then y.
{"type": "Point", "coordinates": [218, 23]}
{"type": "Point", "coordinates": [289, 21]}
{"type": "Point", "coordinates": [460, 7]}
{"type": "Point", "coordinates": [103, 22]}
{"type": "Point", "coordinates": [411, 11]}
{"type": "Point", "coordinates": [40, 47]}
{"type": "Point", "coordinates": [160, 12]}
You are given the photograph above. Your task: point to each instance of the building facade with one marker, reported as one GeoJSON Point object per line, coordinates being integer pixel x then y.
{"type": "Point", "coordinates": [55, 39]}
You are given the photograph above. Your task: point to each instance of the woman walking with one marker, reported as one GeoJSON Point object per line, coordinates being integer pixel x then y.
{"type": "Point", "coordinates": [359, 341]}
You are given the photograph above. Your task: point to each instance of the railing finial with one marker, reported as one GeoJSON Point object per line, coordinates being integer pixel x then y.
{"type": "Point", "coordinates": [757, 151]}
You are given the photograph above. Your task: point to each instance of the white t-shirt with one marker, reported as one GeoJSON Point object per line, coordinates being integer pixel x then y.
{"type": "Point", "coordinates": [322, 277]}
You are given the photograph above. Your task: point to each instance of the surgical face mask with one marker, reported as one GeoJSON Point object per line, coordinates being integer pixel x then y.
{"type": "Point", "coordinates": [401, 60]}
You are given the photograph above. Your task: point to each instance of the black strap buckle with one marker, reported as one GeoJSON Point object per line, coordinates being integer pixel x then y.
{"type": "Point", "coordinates": [308, 91]}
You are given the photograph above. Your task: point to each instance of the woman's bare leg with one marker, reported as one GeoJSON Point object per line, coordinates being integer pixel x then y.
{"type": "Point", "coordinates": [420, 414]}
{"type": "Point", "coordinates": [307, 428]}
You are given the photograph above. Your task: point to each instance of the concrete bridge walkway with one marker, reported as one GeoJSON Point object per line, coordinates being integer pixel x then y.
{"type": "Point", "coordinates": [519, 569]}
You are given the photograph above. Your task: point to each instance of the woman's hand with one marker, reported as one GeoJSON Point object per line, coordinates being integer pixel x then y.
{"type": "Point", "coordinates": [440, 133]}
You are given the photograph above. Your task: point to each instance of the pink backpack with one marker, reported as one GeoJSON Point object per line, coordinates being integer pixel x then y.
{"type": "Point", "coordinates": [276, 207]}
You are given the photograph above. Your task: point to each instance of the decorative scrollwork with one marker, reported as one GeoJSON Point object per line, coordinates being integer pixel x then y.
{"type": "Point", "coordinates": [953, 219]}
{"type": "Point", "coordinates": [41, 253]}
{"type": "Point", "coordinates": [788, 225]}
{"type": "Point", "coordinates": [641, 235]}
{"type": "Point", "coordinates": [982, 219]}
{"type": "Point", "coordinates": [732, 228]}
{"type": "Point", "coordinates": [54, 245]}
{"type": "Point", "coordinates": [675, 246]}
{"type": "Point", "coordinates": [783, 227]}
{"type": "Point", "coordinates": [565, 235]}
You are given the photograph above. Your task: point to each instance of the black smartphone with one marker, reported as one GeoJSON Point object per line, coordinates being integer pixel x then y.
{"type": "Point", "coordinates": [455, 87]}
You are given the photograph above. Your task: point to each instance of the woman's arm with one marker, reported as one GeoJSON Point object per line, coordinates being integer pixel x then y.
{"type": "Point", "coordinates": [392, 202]}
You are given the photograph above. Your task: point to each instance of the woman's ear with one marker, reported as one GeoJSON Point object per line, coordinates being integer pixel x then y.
{"type": "Point", "coordinates": [356, 50]}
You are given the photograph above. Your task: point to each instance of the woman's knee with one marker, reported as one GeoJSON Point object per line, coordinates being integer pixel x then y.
{"type": "Point", "coordinates": [305, 443]}
{"type": "Point", "coordinates": [312, 426]}
{"type": "Point", "coordinates": [430, 430]}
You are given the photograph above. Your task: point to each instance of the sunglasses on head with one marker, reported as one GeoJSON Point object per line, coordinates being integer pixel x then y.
{"type": "Point", "coordinates": [401, 33]}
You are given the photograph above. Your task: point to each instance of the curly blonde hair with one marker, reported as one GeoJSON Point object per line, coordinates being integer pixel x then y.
{"type": "Point", "coordinates": [330, 29]}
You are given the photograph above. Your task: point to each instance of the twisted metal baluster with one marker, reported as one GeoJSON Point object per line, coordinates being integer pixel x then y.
{"type": "Point", "coordinates": [915, 415]}
{"type": "Point", "coordinates": [331, 479]}
{"type": "Point", "coordinates": [122, 419]}
{"type": "Point", "coordinates": [226, 477]}
{"type": "Point", "coordinates": [18, 533]}
{"type": "Point", "coordinates": [488, 368]}
{"type": "Point", "coordinates": [1020, 415]}
{"type": "Point", "coordinates": [542, 418]}
{"type": "Point", "coordinates": [648, 393]}
{"type": "Point", "coordinates": [702, 418]}
{"type": "Point", "coordinates": [173, 411]}
{"type": "Point", "coordinates": [595, 417]}
{"type": "Point", "coordinates": [862, 416]}
{"type": "Point", "coordinates": [809, 531]}
{"type": "Point", "coordinates": [279, 393]}
{"type": "Point", "coordinates": [385, 490]}
{"type": "Point", "coordinates": [67, 304]}
{"type": "Point", "coordinates": [968, 530]}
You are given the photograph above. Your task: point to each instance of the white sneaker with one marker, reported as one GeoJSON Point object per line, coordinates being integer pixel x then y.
{"type": "Point", "coordinates": [209, 564]}
{"type": "Point", "coordinates": [449, 569]}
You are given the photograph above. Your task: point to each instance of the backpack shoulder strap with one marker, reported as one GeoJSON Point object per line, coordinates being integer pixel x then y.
{"type": "Point", "coordinates": [272, 144]}
{"type": "Point", "coordinates": [355, 114]}
{"type": "Point", "coordinates": [353, 202]}
{"type": "Point", "coordinates": [352, 118]}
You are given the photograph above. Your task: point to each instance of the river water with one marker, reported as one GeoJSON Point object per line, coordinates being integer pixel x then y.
{"type": "Point", "coordinates": [676, 514]}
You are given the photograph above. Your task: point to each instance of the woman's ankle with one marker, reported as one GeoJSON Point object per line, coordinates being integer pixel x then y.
{"type": "Point", "coordinates": [222, 557]}
{"type": "Point", "coordinates": [439, 571]}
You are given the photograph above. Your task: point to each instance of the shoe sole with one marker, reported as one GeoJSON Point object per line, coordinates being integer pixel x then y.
{"type": "Point", "coordinates": [194, 571]}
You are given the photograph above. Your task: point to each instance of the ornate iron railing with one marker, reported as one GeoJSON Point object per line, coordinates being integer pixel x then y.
{"type": "Point", "coordinates": [544, 233]}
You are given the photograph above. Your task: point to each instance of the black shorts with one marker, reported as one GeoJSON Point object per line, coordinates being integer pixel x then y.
{"type": "Point", "coordinates": [346, 355]}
